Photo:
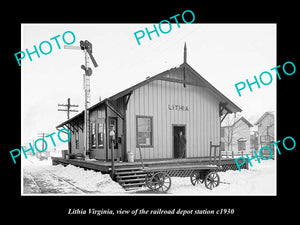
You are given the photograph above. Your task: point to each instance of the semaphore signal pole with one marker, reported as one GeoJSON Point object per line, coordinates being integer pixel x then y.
{"type": "Point", "coordinates": [68, 109]}
{"type": "Point", "coordinates": [86, 46]}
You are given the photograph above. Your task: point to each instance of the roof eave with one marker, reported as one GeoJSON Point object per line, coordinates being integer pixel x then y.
{"type": "Point", "coordinates": [69, 120]}
{"type": "Point", "coordinates": [233, 108]}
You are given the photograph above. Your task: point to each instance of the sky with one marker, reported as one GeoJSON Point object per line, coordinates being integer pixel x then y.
{"type": "Point", "coordinates": [224, 54]}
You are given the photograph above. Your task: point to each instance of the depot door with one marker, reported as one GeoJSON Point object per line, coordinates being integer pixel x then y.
{"type": "Point", "coordinates": [179, 141]}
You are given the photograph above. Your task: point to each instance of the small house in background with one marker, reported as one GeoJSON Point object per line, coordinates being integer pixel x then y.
{"type": "Point", "coordinates": [266, 132]}
{"type": "Point", "coordinates": [235, 136]}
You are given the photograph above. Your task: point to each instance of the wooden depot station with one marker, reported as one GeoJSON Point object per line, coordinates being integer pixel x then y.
{"type": "Point", "coordinates": [147, 120]}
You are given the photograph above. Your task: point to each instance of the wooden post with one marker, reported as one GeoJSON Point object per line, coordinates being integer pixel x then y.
{"type": "Point", "coordinates": [210, 152]}
{"type": "Point", "coordinates": [215, 152]}
{"type": "Point", "coordinates": [112, 158]}
{"type": "Point", "coordinates": [106, 133]}
{"type": "Point", "coordinates": [220, 154]}
{"type": "Point", "coordinates": [141, 156]}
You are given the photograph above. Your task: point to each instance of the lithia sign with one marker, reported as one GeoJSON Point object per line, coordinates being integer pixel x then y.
{"type": "Point", "coordinates": [178, 107]}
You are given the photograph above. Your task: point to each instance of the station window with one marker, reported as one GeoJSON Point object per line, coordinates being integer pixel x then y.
{"type": "Point", "coordinates": [144, 131]}
{"type": "Point", "coordinates": [100, 135]}
{"type": "Point", "coordinates": [93, 135]}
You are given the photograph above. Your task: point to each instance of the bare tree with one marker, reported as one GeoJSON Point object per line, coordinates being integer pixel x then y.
{"type": "Point", "coordinates": [231, 130]}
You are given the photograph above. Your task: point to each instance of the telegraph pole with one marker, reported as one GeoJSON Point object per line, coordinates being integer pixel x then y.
{"type": "Point", "coordinates": [68, 109]}
{"type": "Point", "coordinates": [42, 135]}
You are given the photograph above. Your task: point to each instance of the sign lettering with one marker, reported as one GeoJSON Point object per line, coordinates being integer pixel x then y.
{"type": "Point", "coordinates": [178, 107]}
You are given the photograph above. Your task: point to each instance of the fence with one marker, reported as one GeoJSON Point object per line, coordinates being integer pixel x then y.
{"type": "Point", "coordinates": [235, 154]}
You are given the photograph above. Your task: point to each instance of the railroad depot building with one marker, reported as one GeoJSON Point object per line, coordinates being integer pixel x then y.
{"type": "Point", "coordinates": [152, 114]}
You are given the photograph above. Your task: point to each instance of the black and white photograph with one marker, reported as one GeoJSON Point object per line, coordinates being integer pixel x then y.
{"type": "Point", "coordinates": [128, 112]}
{"type": "Point", "coordinates": [182, 114]}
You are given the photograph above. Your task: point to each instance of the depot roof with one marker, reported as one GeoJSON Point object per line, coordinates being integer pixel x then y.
{"type": "Point", "coordinates": [229, 106]}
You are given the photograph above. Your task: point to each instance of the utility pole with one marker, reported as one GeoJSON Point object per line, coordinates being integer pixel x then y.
{"type": "Point", "coordinates": [86, 46]}
{"type": "Point", "coordinates": [68, 109]}
{"type": "Point", "coordinates": [42, 135]}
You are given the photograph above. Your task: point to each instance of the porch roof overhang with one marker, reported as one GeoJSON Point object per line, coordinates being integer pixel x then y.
{"type": "Point", "coordinates": [73, 123]}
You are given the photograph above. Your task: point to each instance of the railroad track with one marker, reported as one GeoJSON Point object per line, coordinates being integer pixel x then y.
{"type": "Point", "coordinates": [46, 182]}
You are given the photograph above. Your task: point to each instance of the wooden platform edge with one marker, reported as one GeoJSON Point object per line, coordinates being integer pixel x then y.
{"type": "Point", "coordinates": [183, 167]}
{"type": "Point", "coordinates": [93, 165]}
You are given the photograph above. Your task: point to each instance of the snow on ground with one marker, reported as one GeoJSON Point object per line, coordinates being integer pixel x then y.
{"type": "Point", "coordinates": [88, 179]}
{"type": "Point", "coordinates": [34, 161]}
{"type": "Point", "coordinates": [43, 177]}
